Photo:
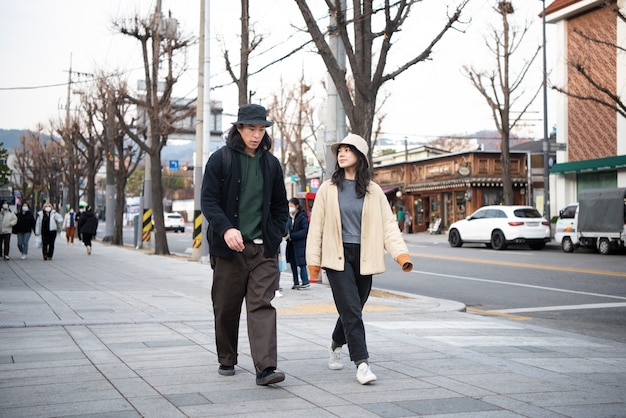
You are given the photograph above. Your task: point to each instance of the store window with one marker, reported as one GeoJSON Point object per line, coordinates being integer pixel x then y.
{"type": "Point", "coordinates": [460, 206]}
{"type": "Point", "coordinates": [418, 209]}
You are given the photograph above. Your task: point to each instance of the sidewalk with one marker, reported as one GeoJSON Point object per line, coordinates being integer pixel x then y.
{"type": "Point", "coordinates": [122, 333]}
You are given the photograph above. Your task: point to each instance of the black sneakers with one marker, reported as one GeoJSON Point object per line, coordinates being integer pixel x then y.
{"type": "Point", "coordinates": [226, 370]}
{"type": "Point", "coordinates": [269, 376]}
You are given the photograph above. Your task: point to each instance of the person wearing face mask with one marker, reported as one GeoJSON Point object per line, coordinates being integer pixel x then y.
{"type": "Point", "coordinates": [7, 220]}
{"type": "Point", "coordinates": [23, 228]}
{"type": "Point", "coordinates": [48, 224]}
{"type": "Point", "coordinates": [297, 229]}
{"type": "Point", "coordinates": [69, 224]}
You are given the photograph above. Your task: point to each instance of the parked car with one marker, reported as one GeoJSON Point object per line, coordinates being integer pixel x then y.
{"type": "Point", "coordinates": [499, 226]}
{"type": "Point", "coordinates": [174, 222]}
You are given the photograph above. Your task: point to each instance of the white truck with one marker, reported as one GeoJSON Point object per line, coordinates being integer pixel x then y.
{"type": "Point", "coordinates": [597, 221]}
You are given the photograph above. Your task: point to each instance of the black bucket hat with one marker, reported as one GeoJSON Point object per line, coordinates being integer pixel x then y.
{"type": "Point", "coordinates": [252, 114]}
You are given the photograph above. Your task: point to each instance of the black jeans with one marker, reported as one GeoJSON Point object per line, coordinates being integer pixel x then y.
{"type": "Point", "coordinates": [47, 243]}
{"type": "Point", "coordinates": [350, 292]}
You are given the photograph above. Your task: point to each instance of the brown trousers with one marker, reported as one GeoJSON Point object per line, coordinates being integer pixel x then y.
{"type": "Point", "coordinates": [250, 276]}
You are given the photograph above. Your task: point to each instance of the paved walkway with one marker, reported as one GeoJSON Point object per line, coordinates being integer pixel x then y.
{"type": "Point", "coordinates": [122, 333]}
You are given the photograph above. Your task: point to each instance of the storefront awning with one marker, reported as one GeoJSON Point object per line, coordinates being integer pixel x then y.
{"type": "Point", "coordinates": [598, 164]}
{"type": "Point", "coordinates": [388, 190]}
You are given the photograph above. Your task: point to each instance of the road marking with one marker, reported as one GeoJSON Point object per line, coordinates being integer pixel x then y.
{"type": "Point", "coordinates": [525, 265]}
{"type": "Point", "coordinates": [499, 313]}
{"type": "Point", "coordinates": [563, 308]}
{"type": "Point", "coordinates": [476, 279]}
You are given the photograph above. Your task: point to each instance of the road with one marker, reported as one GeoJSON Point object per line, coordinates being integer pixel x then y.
{"type": "Point", "coordinates": [582, 292]}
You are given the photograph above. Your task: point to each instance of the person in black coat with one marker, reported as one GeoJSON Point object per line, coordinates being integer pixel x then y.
{"type": "Point", "coordinates": [24, 227]}
{"type": "Point", "coordinates": [297, 230]}
{"type": "Point", "coordinates": [87, 227]}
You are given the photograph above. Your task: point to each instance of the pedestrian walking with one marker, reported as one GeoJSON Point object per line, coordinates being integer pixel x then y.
{"type": "Point", "coordinates": [69, 224]}
{"type": "Point", "coordinates": [88, 226]}
{"type": "Point", "coordinates": [297, 230]}
{"type": "Point", "coordinates": [352, 225]}
{"type": "Point", "coordinates": [245, 202]}
{"type": "Point", "coordinates": [24, 227]}
{"type": "Point", "coordinates": [7, 221]}
{"type": "Point", "coordinates": [48, 223]}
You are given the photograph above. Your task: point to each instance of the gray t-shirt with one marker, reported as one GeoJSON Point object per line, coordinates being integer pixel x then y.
{"type": "Point", "coordinates": [351, 209]}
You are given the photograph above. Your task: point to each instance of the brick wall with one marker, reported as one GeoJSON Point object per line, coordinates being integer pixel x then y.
{"type": "Point", "coordinates": [592, 130]}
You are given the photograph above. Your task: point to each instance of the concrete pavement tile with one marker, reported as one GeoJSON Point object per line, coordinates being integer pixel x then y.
{"type": "Point", "coordinates": [257, 393]}
{"type": "Point", "coordinates": [156, 406]}
{"type": "Point", "coordinates": [51, 394]}
{"type": "Point", "coordinates": [513, 383]}
{"type": "Point", "coordinates": [448, 406]}
{"type": "Point", "coordinates": [552, 398]}
{"type": "Point", "coordinates": [455, 386]}
{"type": "Point", "coordinates": [240, 406]}
{"type": "Point", "coordinates": [318, 396]}
{"type": "Point", "coordinates": [351, 411]}
{"type": "Point", "coordinates": [572, 365]}
{"type": "Point", "coordinates": [187, 399]}
{"type": "Point", "coordinates": [117, 408]}
{"type": "Point", "coordinates": [388, 410]}
{"type": "Point", "coordinates": [57, 375]}
{"type": "Point", "coordinates": [134, 387]}
{"type": "Point", "coordinates": [609, 410]}
{"type": "Point", "coordinates": [523, 408]}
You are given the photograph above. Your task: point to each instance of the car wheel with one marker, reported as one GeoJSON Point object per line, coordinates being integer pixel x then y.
{"type": "Point", "coordinates": [182, 230]}
{"type": "Point", "coordinates": [567, 245]}
{"type": "Point", "coordinates": [498, 242]}
{"type": "Point", "coordinates": [454, 238]}
{"type": "Point", "coordinates": [537, 245]}
{"type": "Point", "coordinates": [604, 246]}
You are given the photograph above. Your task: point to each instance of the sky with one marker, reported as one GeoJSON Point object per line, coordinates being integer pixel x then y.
{"type": "Point", "coordinates": [40, 39]}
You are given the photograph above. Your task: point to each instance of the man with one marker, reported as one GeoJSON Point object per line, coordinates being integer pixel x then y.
{"type": "Point", "coordinates": [245, 202]}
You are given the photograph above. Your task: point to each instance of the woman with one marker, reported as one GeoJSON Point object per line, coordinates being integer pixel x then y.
{"type": "Point", "coordinates": [69, 225]}
{"type": "Point", "coordinates": [352, 226]}
{"type": "Point", "coordinates": [48, 223]}
{"type": "Point", "coordinates": [7, 220]}
{"type": "Point", "coordinates": [23, 228]}
{"type": "Point", "coordinates": [297, 229]}
{"type": "Point", "coordinates": [87, 227]}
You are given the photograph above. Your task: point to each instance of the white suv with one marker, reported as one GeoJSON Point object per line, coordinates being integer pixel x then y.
{"type": "Point", "coordinates": [174, 222]}
{"type": "Point", "coordinates": [498, 226]}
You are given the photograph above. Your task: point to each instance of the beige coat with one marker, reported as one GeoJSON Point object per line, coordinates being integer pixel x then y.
{"type": "Point", "coordinates": [379, 231]}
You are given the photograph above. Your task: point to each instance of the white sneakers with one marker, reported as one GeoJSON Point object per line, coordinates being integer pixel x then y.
{"type": "Point", "coordinates": [334, 363]}
{"type": "Point", "coordinates": [364, 374]}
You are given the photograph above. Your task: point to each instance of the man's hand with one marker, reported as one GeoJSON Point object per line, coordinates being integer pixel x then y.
{"type": "Point", "coordinates": [234, 240]}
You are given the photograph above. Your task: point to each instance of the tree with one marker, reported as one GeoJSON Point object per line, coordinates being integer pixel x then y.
{"type": "Point", "coordinates": [592, 88]}
{"type": "Point", "coordinates": [5, 171]}
{"type": "Point", "coordinates": [122, 155]}
{"type": "Point", "coordinates": [361, 47]}
{"type": "Point", "coordinates": [293, 109]}
{"type": "Point", "coordinates": [247, 47]}
{"type": "Point", "coordinates": [161, 42]}
{"type": "Point", "coordinates": [502, 89]}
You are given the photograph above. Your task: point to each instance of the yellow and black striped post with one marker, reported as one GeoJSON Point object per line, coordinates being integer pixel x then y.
{"type": "Point", "coordinates": [147, 225]}
{"type": "Point", "coordinates": [197, 229]}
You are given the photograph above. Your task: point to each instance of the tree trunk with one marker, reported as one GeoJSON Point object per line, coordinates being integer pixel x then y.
{"type": "Point", "coordinates": [160, 238]}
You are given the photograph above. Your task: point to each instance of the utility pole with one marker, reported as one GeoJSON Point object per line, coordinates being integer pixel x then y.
{"type": "Point", "coordinates": [110, 170]}
{"type": "Point", "coordinates": [203, 112]}
{"type": "Point", "coordinates": [147, 182]}
{"type": "Point", "coordinates": [336, 116]}
{"type": "Point", "coordinates": [546, 142]}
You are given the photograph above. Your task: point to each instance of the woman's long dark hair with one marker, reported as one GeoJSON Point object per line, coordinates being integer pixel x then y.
{"type": "Point", "coordinates": [234, 140]}
{"type": "Point", "coordinates": [362, 174]}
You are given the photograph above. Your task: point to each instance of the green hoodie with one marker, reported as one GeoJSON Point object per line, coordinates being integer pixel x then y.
{"type": "Point", "coordinates": [251, 195]}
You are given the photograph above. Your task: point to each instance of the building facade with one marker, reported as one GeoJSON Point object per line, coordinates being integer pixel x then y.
{"type": "Point", "coordinates": [591, 63]}
{"type": "Point", "coordinates": [452, 186]}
